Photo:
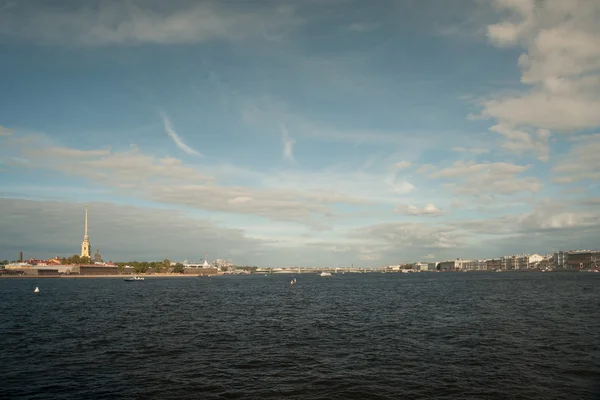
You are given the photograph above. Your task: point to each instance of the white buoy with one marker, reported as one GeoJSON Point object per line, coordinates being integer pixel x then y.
{"type": "Point", "coordinates": [37, 290]}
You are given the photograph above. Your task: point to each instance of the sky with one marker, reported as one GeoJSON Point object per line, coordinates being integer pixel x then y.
{"type": "Point", "coordinates": [288, 133]}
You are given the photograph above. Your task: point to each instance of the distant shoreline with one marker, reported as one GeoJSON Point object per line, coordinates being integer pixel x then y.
{"type": "Point", "coordinates": [75, 276]}
{"type": "Point", "coordinates": [159, 275]}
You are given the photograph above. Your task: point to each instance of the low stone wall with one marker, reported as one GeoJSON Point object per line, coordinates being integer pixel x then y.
{"type": "Point", "coordinates": [200, 271]}
{"type": "Point", "coordinates": [97, 270]}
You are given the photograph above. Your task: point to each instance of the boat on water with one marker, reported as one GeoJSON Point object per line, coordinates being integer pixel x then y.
{"type": "Point", "coordinates": [293, 282]}
{"type": "Point", "coordinates": [134, 279]}
{"type": "Point", "coordinates": [325, 273]}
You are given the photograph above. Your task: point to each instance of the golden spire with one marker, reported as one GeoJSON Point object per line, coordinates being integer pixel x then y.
{"type": "Point", "coordinates": [85, 245]}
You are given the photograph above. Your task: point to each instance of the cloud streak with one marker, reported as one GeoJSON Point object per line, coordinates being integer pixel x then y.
{"type": "Point", "coordinates": [413, 210]}
{"type": "Point", "coordinates": [138, 22]}
{"type": "Point", "coordinates": [175, 137]}
{"type": "Point", "coordinates": [288, 145]}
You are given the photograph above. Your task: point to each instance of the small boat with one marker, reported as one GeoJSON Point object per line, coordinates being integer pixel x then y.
{"type": "Point", "coordinates": [325, 273]}
{"type": "Point", "coordinates": [293, 282]}
{"type": "Point", "coordinates": [133, 279]}
{"type": "Point", "coordinates": [36, 290]}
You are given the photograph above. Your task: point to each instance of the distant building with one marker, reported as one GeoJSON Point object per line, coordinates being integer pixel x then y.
{"type": "Point", "coordinates": [86, 245]}
{"type": "Point", "coordinates": [560, 259]}
{"type": "Point", "coordinates": [223, 263]}
{"type": "Point", "coordinates": [583, 259]}
{"type": "Point", "coordinates": [421, 266]}
{"type": "Point", "coordinates": [54, 261]}
{"type": "Point", "coordinates": [462, 265]}
{"type": "Point", "coordinates": [521, 262]}
{"type": "Point", "coordinates": [97, 257]}
{"type": "Point", "coordinates": [494, 264]}
{"type": "Point", "coordinates": [515, 262]}
{"type": "Point", "coordinates": [454, 265]}
{"type": "Point", "coordinates": [535, 260]}
{"type": "Point", "coordinates": [475, 265]}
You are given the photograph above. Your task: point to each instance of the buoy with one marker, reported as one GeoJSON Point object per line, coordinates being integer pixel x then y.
{"type": "Point", "coordinates": [37, 290]}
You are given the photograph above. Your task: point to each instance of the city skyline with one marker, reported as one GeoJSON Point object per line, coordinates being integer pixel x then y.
{"type": "Point", "coordinates": [313, 133]}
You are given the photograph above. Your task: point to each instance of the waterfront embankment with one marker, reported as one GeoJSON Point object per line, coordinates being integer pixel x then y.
{"type": "Point", "coordinates": [76, 276]}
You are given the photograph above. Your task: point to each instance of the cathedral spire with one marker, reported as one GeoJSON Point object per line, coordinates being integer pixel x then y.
{"type": "Point", "coordinates": [86, 245]}
{"type": "Point", "coordinates": [85, 235]}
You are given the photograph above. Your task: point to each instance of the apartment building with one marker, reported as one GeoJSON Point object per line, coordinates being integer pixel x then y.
{"type": "Point", "coordinates": [560, 259]}
{"type": "Point", "coordinates": [582, 259]}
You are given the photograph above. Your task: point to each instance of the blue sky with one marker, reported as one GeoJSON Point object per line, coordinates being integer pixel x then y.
{"type": "Point", "coordinates": [300, 133]}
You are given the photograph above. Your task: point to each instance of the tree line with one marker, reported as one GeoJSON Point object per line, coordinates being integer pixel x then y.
{"type": "Point", "coordinates": [139, 266]}
{"type": "Point", "coordinates": [157, 266]}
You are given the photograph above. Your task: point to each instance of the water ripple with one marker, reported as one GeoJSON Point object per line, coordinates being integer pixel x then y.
{"type": "Point", "coordinates": [424, 336]}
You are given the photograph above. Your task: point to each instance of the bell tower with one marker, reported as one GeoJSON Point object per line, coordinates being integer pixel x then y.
{"type": "Point", "coordinates": [85, 245]}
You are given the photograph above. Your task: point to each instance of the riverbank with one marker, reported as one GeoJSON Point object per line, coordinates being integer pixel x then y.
{"type": "Point", "coordinates": [75, 276]}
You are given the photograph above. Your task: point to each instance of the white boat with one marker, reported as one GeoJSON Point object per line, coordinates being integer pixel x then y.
{"type": "Point", "coordinates": [325, 273]}
{"type": "Point", "coordinates": [36, 290]}
{"type": "Point", "coordinates": [293, 281]}
{"type": "Point", "coordinates": [133, 279]}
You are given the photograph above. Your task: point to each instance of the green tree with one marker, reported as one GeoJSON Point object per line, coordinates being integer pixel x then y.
{"type": "Point", "coordinates": [74, 259]}
{"type": "Point", "coordinates": [137, 267]}
{"type": "Point", "coordinates": [178, 268]}
{"type": "Point", "coordinates": [85, 260]}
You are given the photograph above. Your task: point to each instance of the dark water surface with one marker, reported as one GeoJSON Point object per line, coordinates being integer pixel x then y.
{"type": "Point", "coordinates": [372, 336]}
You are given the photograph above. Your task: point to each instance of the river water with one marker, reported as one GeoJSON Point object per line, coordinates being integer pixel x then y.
{"type": "Point", "coordinates": [351, 336]}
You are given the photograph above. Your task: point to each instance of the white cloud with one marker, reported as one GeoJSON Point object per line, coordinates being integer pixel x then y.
{"type": "Point", "coordinates": [175, 137]}
{"type": "Point", "coordinates": [426, 168]}
{"type": "Point", "coordinates": [169, 180]}
{"type": "Point", "coordinates": [521, 142]}
{"type": "Point", "coordinates": [398, 237]}
{"type": "Point", "coordinates": [5, 132]}
{"type": "Point", "coordinates": [474, 150]}
{"type": "Point", "coordinates": [589, 137]}
{"type": "Point", "coordinates": [580, 163]}
{"type": "Point", "coordinates": [548, 112]}
{"type": "Point", "coordinates": [239, 200]}
{"type": "Point", "coordinates": [353, 187]}
{"type": "Point", "coordinates": [561, 64]}
{"type": "Point", "coordinates": [303, 198]}
{"type": "Point", "coordinates": [544, 216]}
{"type": "Point", "coordinates": [488, 178]}
{"type": "Point", "coordinates": [137, 22]}
{"type": "Point", "coordinates": [429, 209]}
{"type": "Point", "coordinates": [369, 257]}
{"type": "Point", "coordinates": [403, 164]}
{"type": "Point", "coordinates": [402, 187]}
{"type": "Point", "coordinates": [288, 145]}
